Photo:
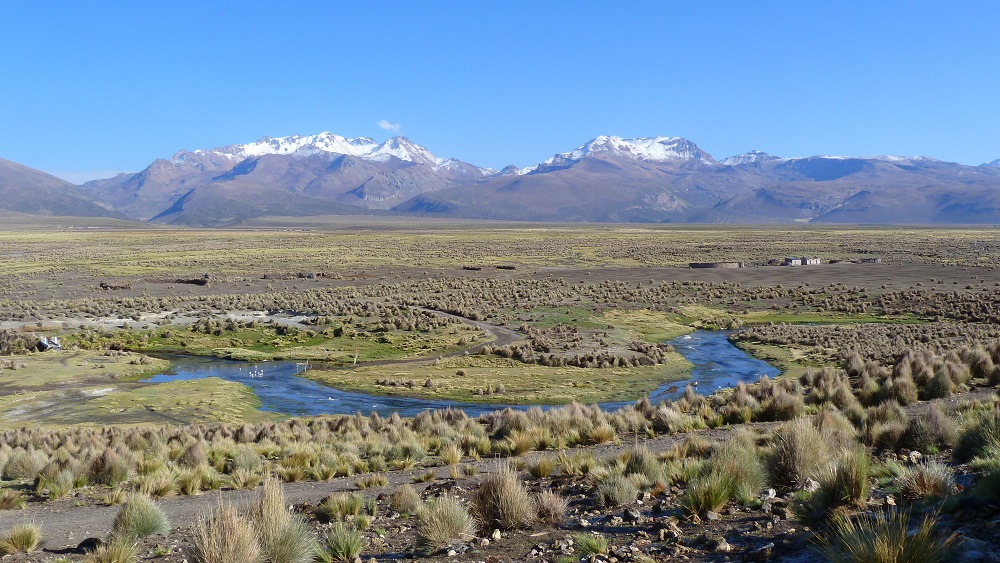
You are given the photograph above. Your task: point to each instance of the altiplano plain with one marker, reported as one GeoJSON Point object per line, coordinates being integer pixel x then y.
{"type": "Point", "coordinates": [886, 393]}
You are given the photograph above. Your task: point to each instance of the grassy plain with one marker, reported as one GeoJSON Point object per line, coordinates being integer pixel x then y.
{"type": "Point", "coordinates": [553, 302]}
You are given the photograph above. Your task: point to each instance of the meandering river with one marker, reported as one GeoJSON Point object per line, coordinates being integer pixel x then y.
{"type": "Point", "coordinates": [717, 365]}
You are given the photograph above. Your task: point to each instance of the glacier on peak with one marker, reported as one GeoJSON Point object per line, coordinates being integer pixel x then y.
{"type": "Point", "coordinates": [654, 149]}
{"type": "Point", "coordinates": [326, 142]}
{"type": "Point", "coordinates": [751, 157]}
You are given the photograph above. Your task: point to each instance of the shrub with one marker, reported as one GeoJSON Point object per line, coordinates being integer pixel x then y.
{"type": "Point", "coordinates": [930, 432]}
{"type": "Point", "coordinates": [846, 484]}
{"type": "Point", "coordinates": [799, 452]}
{"type": "Point", "coordinates": [405, 500]}
{"type": "Point", "coordinates": [110, 468]}
{"type": "Point", "coordinates": [139, 517]}
{"type": "Point", "coordinates": [344, 542]}
{"type": "Point", "coordinates": [284, 537]}
{"type": "Point", "coordinates": [542, 467]}
{"type": "Point", "coordinates": [738, 463]}
{"type": "Point", "coordinates": [223, 536]}
{"type": "Point", "coordinates": [22, 538]}
{"type": "Point", "coordinates": [24, 464]}
{"type": "Point", "coordinates": [11, 499]}
{"type": "Point", "coordinates": [639, 460]}
{"type": "Point", "coordinates": [451, 454]}
{"type": "Point", "coordinates": [707, 493]}
{"type": "Point", "coordinates": [115, 550]}
{"type": "Point", "coordinates": [339, 506]}
{"type": "Point", "coordinates": [551, 507]}
{"type": "Point", "coordinates": [590, 544]}
{"type": "Point", "coordinates": [926, 480]}
{"type": "Point", "coordinates": [501, 501]}
{"type": "Point", "coordinates": [977, 437]}
{"type": "Point", "coordinates": [885, 537]}
{"type": "Point", "coordinates": [616, 490]}
{"type": "Point", "coordinates": [444, 520]}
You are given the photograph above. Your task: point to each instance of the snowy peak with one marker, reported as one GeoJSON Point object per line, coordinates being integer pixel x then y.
{"type": "Point", "coordinates": [361, 147]}
{"type": "Point", "coordinates": [992, 163]}
{"type": "Point", "coordinates": [403, 149]}
{"type": "Point", "coordinates": [752, 157]}
{"type": "Point", "coordinates": [325, 142]}
{"type": "Point", "coordinates": [651, 149]}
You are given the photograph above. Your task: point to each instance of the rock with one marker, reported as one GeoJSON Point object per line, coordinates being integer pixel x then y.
{"type": "Point", "coordinates": [890, 500]}
{"type": "Point", "coordinates": [484, 542]}
{"type": "Point", "coordinates": [496, 534]}
{"type": "Point", "coordinates": [769, 494]}
{"type": "Point", "coordinates": [762, 553]}
{"type": "Point", "coordinates": [631, 515]}
{"type": "Point", "coordinates": [915, 457]}
{"type": "Point", "coordinates": [975, 550]}
{"type": "Point", "coordinates": [720, 545]}
{"type": "Point", "coordinates": [712, 516]}
{"type": "Point", "coordinates": [89, 544]}
{"type": "Point", "coordinates": [584, 523]}
{"type": "Point", "coordinates": [810, 485]}
{"type": "Point", "coordinates": [452, 553]}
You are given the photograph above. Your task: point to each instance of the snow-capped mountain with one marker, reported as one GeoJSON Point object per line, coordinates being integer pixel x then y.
{"type": "Point", "coordinates": [326, 142]}
{"type": "Point", "coordinates": [608, 178]}
{"type": "Point", "coordinates": [752, 157]}
{"type": "Point", "coordinates": [649, 149]}
{"type": "Point", "coordinates": [992, 163]}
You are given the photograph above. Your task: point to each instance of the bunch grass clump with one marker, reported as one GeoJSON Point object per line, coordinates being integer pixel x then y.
{"type": "Point", "coordinates": [139, 517]}
{"type": "Point", "coordinates": [443, 521]}
{"type": "Point", "coordinates": [886, 537]}
{"type": "Point", "coordinates": [502, 501]}
{"type": "Point", "coordinates": [225, 536]}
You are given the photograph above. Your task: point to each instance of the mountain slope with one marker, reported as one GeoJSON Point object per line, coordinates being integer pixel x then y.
{"type": "Point", "coordinates": [649, 179]}
{"type": "Point", "coordinates": [293, 175]}
{"type": "Point", "coordinates": [26, 190]}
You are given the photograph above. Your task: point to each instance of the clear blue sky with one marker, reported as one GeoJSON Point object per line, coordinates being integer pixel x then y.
{"type": "Point", "coordinates": [93, 87]}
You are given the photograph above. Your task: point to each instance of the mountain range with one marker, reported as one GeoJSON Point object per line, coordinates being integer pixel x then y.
{"type": "Point", "coordinates": [654, 179]}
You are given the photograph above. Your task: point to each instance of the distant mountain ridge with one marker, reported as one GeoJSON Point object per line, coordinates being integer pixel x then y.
{"type": "Point", "coordinates": [30, 191]}
{"type": "Point", "coordinates": [650, 179]}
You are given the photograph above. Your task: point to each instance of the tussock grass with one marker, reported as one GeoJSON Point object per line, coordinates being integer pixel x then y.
{"type": "Point", "coordinates": [139, 517]}
{"type": "Point", "coordinates": [344, 542]}
{"type": "Point", "coordinates": [551, 507]}
{"type": "Point", "coordinates": [443, 521]}
{"type": "Point", "coordinates": [885, 537]}
{"type": "Point", "coordinates": [405, 500]}
{"type": "Point", "coordinates": [22, 538]}
{"type": "Point", "coordinates": [926, 480]}
{"type": "Point", "coordinates": [283, 537]}
{"type": "Point", "coordinates": [115, 550]}
{"type": "Point", "coordinates": [590, 544]}
{"type": "Point", "coordinates": [224, 536]}
{"type": "Point", "coordinates": [502, 501]}
{"type": "Point", "coordinates": [799, 453]}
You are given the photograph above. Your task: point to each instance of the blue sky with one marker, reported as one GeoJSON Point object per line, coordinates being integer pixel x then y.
{"type": "Point", "coordinates": [89, 90]}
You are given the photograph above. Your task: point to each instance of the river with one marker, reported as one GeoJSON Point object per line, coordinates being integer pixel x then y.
{"type": "Point", "coordinates": [717, 365]}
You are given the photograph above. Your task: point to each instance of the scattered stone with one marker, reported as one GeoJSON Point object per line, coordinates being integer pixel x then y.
{"type": "Point", "coordinates": [712, 516]}
{"type": "Point", "coordinates": [484, 542]}
{"type": "Point", "coordinates": [584, 523]}
{"type": "Point", "coordinates": [810, 485]}
{"type": "Point", "coordinates": [890, 500]}
{"type": "Point", "coordinates": [762, 553]}
{"type": "Point", "coordinates": [720, 545]}
{"type": "Point", "coordinates": [631, 515]}
{"type": "Point", "coordinates": [496, 535]}
{"type": "Point", "coordinates": [915, 457]}
{"type": "Point", "coordinates": [89, 544]}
